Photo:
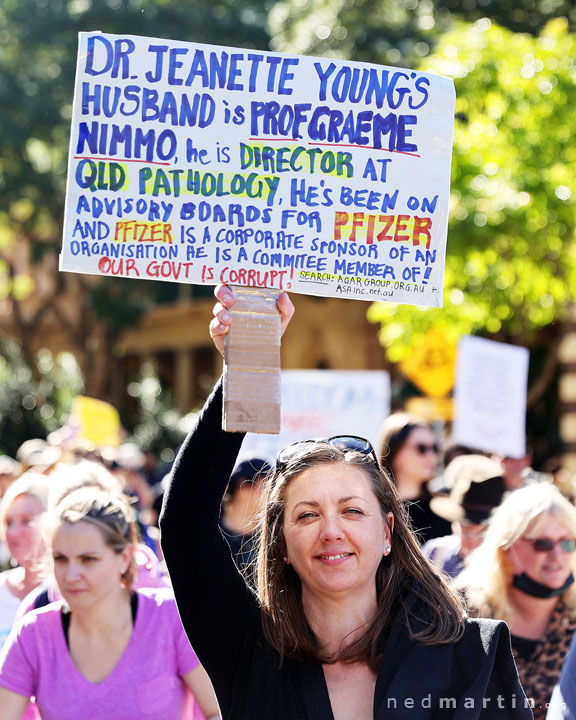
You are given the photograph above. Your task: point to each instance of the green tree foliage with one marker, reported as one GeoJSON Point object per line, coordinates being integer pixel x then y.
{"type": "Point", "coordinates": [511, 257]}
{"type": "Point", "coordinates": [35, 400]}
{"type": "Point", "coordinates": [38, 48]}
{"type": "Point", "coordinates": [381, 31]}
{"type": "Point", "coordinates": [395, 32]}
{"type": "Point", "coordinates": [159, 426]}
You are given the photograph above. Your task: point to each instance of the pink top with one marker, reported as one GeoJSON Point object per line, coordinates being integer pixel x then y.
{"type": "Point", "coordinates": [146, 682]}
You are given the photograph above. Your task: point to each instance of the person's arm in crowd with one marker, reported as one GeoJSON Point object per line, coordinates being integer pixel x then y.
{"type": "Point", "coordinates": [199, 683]}
{"type": "Point", "coordinates": [212, 597]}
{"type": "Point", "coordinates": [12, 705]}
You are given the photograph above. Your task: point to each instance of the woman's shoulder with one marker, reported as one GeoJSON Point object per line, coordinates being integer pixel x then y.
{"type": "Point", "coordinates": [41, 622]}
{"type": "Point", "coordinates": [45, 615]}
{"type": "Point", "coordinates": [487, 637]}
{"type": "Point", "coordinates": [159, 596]}
{"type": "Point", "coordinates": [157, 602]}
{"type": "Point", "coordinates": [486, 627]}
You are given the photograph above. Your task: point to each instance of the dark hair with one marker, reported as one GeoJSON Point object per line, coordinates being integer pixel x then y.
{"type": "Point", "coordinates": [395, 431]}
{"type": "Point", "coordinates": [111, 514]}
{"type": "Point", "coordinates": [403, 574]}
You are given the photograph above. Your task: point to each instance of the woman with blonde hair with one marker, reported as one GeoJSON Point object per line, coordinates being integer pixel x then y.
{"type": "Point", "coordinates": [105, 651]}
{"type": "Point", "coordinates": [20, 511]}
{"type": "Point", "coordinates": [523, 573]}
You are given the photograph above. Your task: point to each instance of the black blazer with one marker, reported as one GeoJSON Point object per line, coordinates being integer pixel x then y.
{"type": "Point", "coordinates": [472, 678]}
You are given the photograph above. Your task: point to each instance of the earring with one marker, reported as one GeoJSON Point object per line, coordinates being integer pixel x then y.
{"type": "Point", "coordinates": [387, 550]}
{"type": "Point", "coordinates": [286, 560]}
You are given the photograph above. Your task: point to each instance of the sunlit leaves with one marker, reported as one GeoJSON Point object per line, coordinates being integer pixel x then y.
{"type": "Point", "coordinates": [511, 257]}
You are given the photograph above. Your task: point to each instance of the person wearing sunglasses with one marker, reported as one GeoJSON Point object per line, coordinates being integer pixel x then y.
{"type": "Point", "coordinates": [523, 573]}
{"type": "Point", "coordinates": [343, 617]}
{"type": "Point", "coordinates": [409, 453]}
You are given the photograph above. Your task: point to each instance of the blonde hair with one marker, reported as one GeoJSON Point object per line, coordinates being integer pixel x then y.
{"type": "Point", "coordinates": [30, 483]}
{"type": "Point", "coordinates": [69, 477]}
{"type": "Point", "coordinates": [487, 576]}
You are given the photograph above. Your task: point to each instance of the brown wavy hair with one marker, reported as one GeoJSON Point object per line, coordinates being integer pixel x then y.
{"type": "Point", "coordinates": [403, 576]}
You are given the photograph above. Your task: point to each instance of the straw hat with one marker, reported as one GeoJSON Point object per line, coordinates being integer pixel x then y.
{"type": "Point", "coordinates": [477, 488]}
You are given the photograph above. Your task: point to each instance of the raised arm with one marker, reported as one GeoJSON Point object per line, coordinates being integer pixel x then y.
{"type": "Point", "coordinates": [213, 600]}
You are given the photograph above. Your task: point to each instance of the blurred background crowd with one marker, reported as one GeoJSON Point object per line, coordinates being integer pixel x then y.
{"type": "Point", "coordinates": [503, 528]}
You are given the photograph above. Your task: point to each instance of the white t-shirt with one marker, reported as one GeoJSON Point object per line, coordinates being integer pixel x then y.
{"type": "Point", "coordinates": [9, 604]}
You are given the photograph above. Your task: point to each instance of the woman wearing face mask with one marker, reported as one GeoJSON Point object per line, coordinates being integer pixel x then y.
{"type": "Point", "coordinates": [523, 573]}
{"type": "Point", "coordinates": [345, 618]}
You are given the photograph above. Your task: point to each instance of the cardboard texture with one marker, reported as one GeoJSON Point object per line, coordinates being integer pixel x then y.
{"type": "Point", "coordinates": [252, 392]}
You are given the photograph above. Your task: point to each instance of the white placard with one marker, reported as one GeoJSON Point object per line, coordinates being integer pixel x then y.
{"type": "Point", "coordinates": [490, 396]}
{"type": "Point", "coordinates": [205, 164]}
{"type": "Point", "coordinates": [322, 403]}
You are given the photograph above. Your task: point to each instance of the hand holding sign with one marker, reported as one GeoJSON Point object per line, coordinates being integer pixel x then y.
{"type": "Point", "coordinates": [246, 329]}
{"type": "Point", "coordinates": [220, 325]}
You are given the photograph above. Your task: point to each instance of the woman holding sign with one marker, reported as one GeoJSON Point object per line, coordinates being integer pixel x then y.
{"type": "Point", "coordinates": [345, 618]}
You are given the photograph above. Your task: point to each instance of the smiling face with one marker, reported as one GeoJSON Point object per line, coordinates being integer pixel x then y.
{"type": "Point", "coordinates": [416, 459]}
{"type": "Point", "coordinates": [334, 531]}
{"type": "Point", "coordinates": [86, 569]}
{"type": "Point", "coordinates": [22, 533]}
{"type": "Point", "coordinates": [548, 568]}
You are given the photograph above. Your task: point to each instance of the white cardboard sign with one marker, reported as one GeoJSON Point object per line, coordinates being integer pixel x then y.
{"type": "Point", "coordinates": [490, 396]}
{"type": "Point", "coordinates": [205, 164]}
{"type": "Point", "coordinates": [322, 403]}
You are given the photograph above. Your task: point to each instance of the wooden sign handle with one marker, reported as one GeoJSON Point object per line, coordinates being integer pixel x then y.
{"type": "Point", "coordinates": [252, 363]}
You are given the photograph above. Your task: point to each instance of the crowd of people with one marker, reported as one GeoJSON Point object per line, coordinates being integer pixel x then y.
{"type": "Point", "coordinates": [340, 582]}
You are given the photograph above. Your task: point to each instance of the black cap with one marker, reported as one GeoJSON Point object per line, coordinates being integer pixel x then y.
{"type": "Point", "coordinates": [249, 471]}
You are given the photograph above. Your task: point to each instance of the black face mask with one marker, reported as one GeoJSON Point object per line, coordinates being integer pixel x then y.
{"type": "Point", "coordinates": [526, 585]}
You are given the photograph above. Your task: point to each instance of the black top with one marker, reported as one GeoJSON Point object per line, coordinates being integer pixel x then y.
{"type": "Point", "coordinates": [473, 678]}
{"type": "Point", "coordinates": [425, 523]}
{"type": "Point", "coordinates": [524, 646]}
{"type": "Point", "coordinates": [67, 615]}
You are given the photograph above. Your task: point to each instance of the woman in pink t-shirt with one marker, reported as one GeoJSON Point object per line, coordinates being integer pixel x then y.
{"type": "Point", "coordinates": [106, 651]}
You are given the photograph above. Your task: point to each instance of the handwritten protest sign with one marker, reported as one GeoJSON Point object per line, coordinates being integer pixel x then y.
{"type": "Point", "coordinates": [322, 403]}
{"type": "Point", "coordinates": [490, 396]}
{"type": "Point", "coordinates": [205, 164]}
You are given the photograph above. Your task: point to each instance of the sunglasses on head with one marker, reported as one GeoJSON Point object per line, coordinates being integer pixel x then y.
{"type": "Point", "coordinates": [543, 545]}
{"type": "Point", "coordinates": [423, 449]}
{"type": "Point", "coordinates": [341, 442]}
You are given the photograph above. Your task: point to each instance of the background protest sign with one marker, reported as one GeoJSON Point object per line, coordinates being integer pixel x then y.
{"type": "Point", "coordinates": [490, 396]}
{"type": "Point", "coordinates": [322, 403]}
{"type": "Point", "coordinates": [95, 421]}
{"type": "Point", "coordinates": [205, 164]}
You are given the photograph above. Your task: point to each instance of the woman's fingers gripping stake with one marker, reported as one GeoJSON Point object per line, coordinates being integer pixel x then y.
{"type": "Point", "coordinates": [220, 323]}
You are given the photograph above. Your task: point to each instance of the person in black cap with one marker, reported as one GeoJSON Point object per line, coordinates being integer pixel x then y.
{"type": "Point", "coordinates": [477, 486]}
{"type": "Point", "coordinates": [240, 508]}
